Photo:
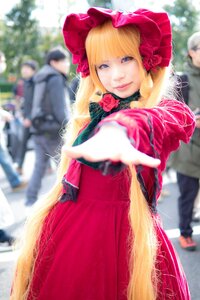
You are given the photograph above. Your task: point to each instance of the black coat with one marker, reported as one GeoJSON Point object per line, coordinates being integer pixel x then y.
{"type": "Point", "coordinates": [28, 97]}
{"type": "Point", "coordinates": [51, 95]}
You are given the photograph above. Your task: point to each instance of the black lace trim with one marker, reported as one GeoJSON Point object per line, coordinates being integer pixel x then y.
{"type": "Point", "coordinates": [71, 192]}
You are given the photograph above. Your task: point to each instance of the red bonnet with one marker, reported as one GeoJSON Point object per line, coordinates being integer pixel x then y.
{"type": "Point", "coordinates": [154, 27]}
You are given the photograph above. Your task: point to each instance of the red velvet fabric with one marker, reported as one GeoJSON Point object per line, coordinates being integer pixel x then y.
{"type": "Point", "coordinates": [83, 249]}
{"type": "Point", "coordinates": [168, 123]}
{"type": "Point", "coordinates": [154, 27]}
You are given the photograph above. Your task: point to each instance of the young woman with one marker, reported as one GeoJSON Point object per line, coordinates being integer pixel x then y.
{"type": "Point", "coordinates": [98, 235]}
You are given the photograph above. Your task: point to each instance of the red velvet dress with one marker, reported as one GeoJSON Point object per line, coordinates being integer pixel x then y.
{"type": "Point", "coordinates": [83, 249]}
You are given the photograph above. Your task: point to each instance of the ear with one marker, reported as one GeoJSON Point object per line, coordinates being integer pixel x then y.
{"type": "Point", "coordinates": [191, 53]}
{"type": "Point", "coordinates": [53, 63]}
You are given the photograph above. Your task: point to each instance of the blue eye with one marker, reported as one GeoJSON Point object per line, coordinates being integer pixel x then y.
{"type": "Point", "coordinates": [103, 66]}
{"type": "Point", "coordinates": [127, 58]}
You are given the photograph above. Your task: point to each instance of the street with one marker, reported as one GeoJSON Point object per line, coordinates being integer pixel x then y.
{"type": "Point", "coordinates": [167, 208]}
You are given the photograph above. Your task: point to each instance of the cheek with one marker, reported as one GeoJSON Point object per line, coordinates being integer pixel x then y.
{"type": "Point", "coordinates": [103, 77]}
{"type": "Point", "coordinates": [136, 75]}
{"type": "Point", "coordinates": [134, 69]}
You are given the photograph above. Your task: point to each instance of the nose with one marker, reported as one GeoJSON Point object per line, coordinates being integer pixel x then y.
{"type": "Point", "coordinates": [118, 73]}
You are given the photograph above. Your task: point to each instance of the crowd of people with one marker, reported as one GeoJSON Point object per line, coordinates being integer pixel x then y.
{"type": "Point", "coordinates": [109, 153]}
{"type": "Point", "coordinates": [43, 93]}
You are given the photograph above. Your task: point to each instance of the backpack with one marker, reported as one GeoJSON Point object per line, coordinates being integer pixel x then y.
{"type": "Point", "coordinates": [44, 122]}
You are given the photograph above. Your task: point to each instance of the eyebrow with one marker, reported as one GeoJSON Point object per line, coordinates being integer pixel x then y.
{"type": "Point", "coordinates": [103, 61]}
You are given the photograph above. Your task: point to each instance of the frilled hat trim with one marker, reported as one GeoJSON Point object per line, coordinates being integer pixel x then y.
{"type": "Point", "coordinates": [154, 27]}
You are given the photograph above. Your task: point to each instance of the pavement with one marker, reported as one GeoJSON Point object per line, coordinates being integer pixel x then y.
{"type": "Point", "coordinates": [16, 201]}
{"type": "Point", "coordinates": [167, 209]}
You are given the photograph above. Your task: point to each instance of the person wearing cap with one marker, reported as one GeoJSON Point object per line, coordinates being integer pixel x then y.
{"type": "Point", "coordinates": [186, 160]}
{"type": "Point", "coordinates": [97, 235]}
{"type": "Point", "coordinates": [28, 70]}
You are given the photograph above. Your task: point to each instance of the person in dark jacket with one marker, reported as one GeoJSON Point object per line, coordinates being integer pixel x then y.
{"type": "Point", "coordinates": [28, 70]}
{"type": "Point", "coordinates": [7, 240]}
{"type": "Point", "coordinates": [51, 106]}
{"type": "Point", "coordinates": [186, 160]}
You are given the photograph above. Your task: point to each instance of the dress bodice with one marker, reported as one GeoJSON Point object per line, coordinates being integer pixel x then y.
{"type": "Point", "coordinates": [95, 186]}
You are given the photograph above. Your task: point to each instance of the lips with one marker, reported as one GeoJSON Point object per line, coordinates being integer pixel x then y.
{"type": "Point", "coordinates": [123, 86]}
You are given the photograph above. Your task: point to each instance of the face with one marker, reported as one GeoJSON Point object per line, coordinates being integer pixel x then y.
{"type": "Point", "coordinates": [195, 55]}
{"type": "Point", "coordinates": [27, 72]}
{"type": "Point", "coordinates": [120, 76]}
{"type": "Point", "coordinates": [61, 65]}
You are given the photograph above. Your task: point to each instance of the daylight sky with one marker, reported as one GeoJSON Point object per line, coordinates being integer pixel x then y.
{"type": "Point", "coordinates": [49, 11]}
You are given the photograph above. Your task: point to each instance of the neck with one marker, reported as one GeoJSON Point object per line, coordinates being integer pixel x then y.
{"type": "Point", "coordinates": [133, 97]}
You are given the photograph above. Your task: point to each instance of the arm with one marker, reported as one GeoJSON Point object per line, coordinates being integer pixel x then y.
{"type": "Point", "coordinates": [171, 121]}
{"type": "Point", "coordinates": [28, 98]}
{"type": "Point", "coordinates": [155, 132]}
{"type": "Point", "coordinates": [110, 143]}
{"type": "Point", "coordinates": [28, 102]}
{"type": "Point", "coordinates": [5, 115]}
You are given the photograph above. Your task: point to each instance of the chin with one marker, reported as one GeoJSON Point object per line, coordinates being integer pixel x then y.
{"type": "Point", "coordinates": [125, 94]}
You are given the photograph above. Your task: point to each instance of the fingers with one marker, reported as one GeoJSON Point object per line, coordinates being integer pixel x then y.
{"type": "Point", "coordinates": [83, 152]}
{"type": "Point", "coordinates": [132, 156]}
{"type": "Point", "coordinates": [139, 158]}
{"type": "Point", "coordinates": [73, 152]}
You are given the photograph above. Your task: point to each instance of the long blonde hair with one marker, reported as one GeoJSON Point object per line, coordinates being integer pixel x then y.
{"type": "Point", "coordinates": [143, 242]}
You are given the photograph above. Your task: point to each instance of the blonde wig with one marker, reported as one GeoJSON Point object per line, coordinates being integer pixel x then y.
{"type": "Point", "coordinates": [143, 242]}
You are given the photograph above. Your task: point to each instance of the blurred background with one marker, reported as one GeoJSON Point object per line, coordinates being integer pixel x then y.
{"type": "Point", "coordinates": [29, 28]}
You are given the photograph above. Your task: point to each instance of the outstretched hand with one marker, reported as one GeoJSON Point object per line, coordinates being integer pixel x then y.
{"type": "Point", "coordinates": [110, 143]}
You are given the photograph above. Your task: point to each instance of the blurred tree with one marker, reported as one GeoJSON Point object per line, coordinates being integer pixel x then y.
{"type": "Point", "coordinates": [21, 35]}
{"type": "Point", "coordinates": [50, 38]}
{"type": "Point", "coordinates": [185, 20]}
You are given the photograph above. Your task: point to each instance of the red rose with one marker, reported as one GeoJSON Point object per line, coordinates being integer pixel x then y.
{"type": "Point", "coordinates": [108, 102]}
{"type": "Point", "coordinates": [152, 62]}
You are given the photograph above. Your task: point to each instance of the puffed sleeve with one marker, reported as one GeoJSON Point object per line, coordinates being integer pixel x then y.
{"type": "Point", "coordinates": [156, 131]}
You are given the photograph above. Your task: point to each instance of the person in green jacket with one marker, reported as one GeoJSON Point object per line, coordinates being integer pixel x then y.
{"type": "Point", "coordinates": [186, 161]}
